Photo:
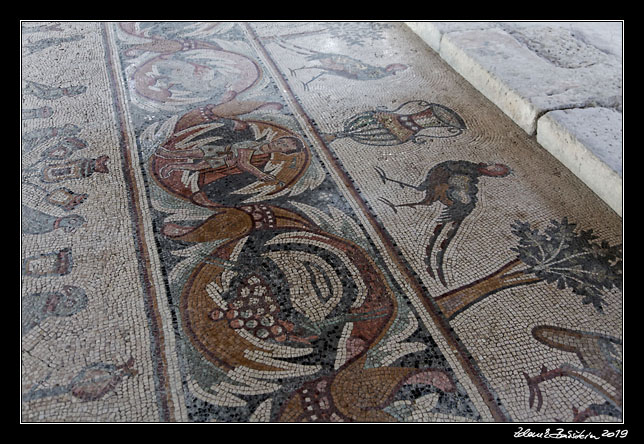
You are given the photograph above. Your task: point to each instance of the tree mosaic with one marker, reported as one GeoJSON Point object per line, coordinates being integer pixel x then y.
{"type": "Point", "coordinates": [571, 259]}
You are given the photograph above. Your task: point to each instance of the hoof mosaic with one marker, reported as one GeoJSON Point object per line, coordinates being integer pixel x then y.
{"type": "Point", "coordinates": [298, 222]}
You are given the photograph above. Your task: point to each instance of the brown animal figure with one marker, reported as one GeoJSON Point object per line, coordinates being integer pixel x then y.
{"type": "Point", "coordinates": [454, 184]}
{"type": "Point", "coordinates": [599, 357]}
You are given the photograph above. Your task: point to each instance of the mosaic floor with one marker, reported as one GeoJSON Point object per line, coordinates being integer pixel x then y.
{"type": "Point", "coordinates": [268, 222]}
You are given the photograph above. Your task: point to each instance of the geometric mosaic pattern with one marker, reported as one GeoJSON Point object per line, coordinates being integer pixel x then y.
{"type": "Point", "coordinates": [299, 222]}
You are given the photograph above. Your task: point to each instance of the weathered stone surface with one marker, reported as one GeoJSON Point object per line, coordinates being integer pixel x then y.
{"type": "Point", "coordinates": [547, 65]}
{"type": "Point", "coordinates": [588, 142]}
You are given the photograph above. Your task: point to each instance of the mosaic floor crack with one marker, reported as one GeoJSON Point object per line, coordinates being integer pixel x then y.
{"type": "Point", "coordinates": [299, 222]}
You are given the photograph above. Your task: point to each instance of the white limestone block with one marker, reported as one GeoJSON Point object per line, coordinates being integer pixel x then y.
{"type": "Point", "coordinates": [589, 143]}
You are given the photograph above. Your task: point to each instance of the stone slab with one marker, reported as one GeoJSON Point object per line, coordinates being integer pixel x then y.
{"type": "Point", "coordinates": [529, 69]}
{"type": "Point", "coordinates": [568, 135]}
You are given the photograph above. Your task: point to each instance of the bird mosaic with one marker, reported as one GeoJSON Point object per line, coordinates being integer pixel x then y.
{"type": "Point", "coordinates": [454, 184]}
{"type": "Point", "coordinates": [339, 65]}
